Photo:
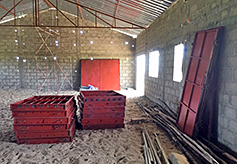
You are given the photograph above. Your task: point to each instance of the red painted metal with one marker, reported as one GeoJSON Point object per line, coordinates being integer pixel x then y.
{"type": "Point", "coordinates": [61, 139]}
{"type": "Point", "coordinates": [103, 115]}
{"type": "Point", "coordinates": [102, 121]}
{"type": "Point", "coordinates": [52, 127]}
{"type": "Point", "coordinates": [102, 126]}
{"type": "Point", "coordinates": [80, 10]}
{"type": "Point", "coordinates": [46, 134]}
{"type": "Point", "coordinates": [102, 109]}
{"type": "Point", "coordinates": [44, 103]}
{"type": "Point", "coordinates": [64, 113]}
{"type": "Point", "coordinates": [48, 4]}
{"type": "Point", "coordinates": [115, 13]}
{"type": "Point", "coordinates": [104, 74]}
{"type": "Point", "coordinates": [43, 120]}
{"type": "Point", "coordinates": [200, 59]}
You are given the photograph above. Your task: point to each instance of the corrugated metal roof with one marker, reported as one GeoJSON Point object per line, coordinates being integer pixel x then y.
{"type": "Point", "coordinates": [140, 12]}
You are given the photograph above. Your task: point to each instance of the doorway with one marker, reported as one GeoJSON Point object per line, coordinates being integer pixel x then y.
{"type": "Point", "coordinates": [140, 82]}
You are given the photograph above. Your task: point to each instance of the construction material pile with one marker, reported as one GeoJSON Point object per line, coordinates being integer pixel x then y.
{"type": "Point", "coordinates": [102, 109]}
{"type": "Point", "coordinates": [195, 151]}
{"type": "Point", "coordinates": [44, 119]}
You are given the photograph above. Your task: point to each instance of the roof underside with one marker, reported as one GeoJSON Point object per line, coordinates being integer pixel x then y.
{"type": "Point", "coordinates": [138, 12]}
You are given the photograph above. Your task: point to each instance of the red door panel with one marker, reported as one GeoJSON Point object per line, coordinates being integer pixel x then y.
{"type": "Point", "coordinates": [189, 124]}
{"type": "Point", "coordinates": [187, 91]}
{"type": "Point", "coordinates": [202, 69]}
{"type": "Point", "coordinates": [197, 49]}
{"type": "Point", "coordinates": [110, 78]}
{"type": "Point", "coordinates": [103, 73]}
{"type": "Point", "coordinates": [208, 45]}
{"type": "Point", "coordinates": [192, 69]}
{"type": "Point", "coordinates": [204, 44]}
{"type": "Point", "coordinates": [184, 110]}
{"type": "Point", "coordinates": [90, 73]}
{"type": "Point", "coordinates": [195, 99]}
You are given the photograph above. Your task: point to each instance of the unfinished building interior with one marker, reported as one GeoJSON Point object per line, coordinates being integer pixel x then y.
{"type": "Point", "coordinates": [174, 60]}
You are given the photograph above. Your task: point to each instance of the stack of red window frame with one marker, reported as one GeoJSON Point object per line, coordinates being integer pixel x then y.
{"type": "Point", "coordinates": [44, 119]}
{"type": "Point", "coordinates": [102, 109]}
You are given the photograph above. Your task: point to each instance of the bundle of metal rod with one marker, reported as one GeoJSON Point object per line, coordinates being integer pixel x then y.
{"type": "Point", "coordinates": [193, 151]}
{"type": "Point", "coordinates": [150, 153]}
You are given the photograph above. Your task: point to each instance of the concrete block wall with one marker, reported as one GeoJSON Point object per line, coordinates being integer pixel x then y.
{"type": "Point", "coordinates": [72, 47]}
{"type": "Point", "coordinates": [179, 24]}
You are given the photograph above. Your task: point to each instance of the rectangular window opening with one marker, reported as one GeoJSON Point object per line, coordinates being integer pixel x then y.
{"type": "Point", "coordinates": [154, 64]}
{"type": "Point", "coordinates": [178, 62]}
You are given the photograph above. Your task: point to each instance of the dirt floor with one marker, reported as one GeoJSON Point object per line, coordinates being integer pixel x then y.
{"type": "Point", "coordinates": [110, 146]}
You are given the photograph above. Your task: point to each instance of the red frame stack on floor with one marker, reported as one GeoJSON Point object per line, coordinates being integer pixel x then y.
{"type": "Point", "coordinates": [44, 119]}
{"type": "Point", "coordinates": [102, 109]}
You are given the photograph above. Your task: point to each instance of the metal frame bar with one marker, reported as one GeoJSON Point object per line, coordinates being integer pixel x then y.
{"type": "Point", "coordinates": [85, 7]}
{"type": "Point", "coordinates": [80, 10]}
{"type": "Point", "coordinates": [11, 9]}
{"type": "Point", "coordinates": [62, 12]}
{"type": "Point", "coordinates": [115, 13]}
{"type": "Point", "coordinates": [7, 10]}
{"type": "Point", "coordinates": [48, 4]}
{"type": "Point", "coordinates": [36, 17]}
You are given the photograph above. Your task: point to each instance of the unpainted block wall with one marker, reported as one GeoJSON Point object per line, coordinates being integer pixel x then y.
{"type": "Point", "coordinates": [72, 46]}
{"type": "Point", "coordinates": [172, 28]}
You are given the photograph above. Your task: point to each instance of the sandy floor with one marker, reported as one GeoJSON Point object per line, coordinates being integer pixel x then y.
{"type": "Point", "coordinates": [89, 146]}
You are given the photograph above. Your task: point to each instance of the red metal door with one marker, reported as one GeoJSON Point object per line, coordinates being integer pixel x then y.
{"type": "Point", "coordinates": [103, 73]}
{"type": "Point", "coordinates": [110, 74]}
{"type": "Point", "coordinates": [198, 67]}
{"type": "Point", "coordinates": [90, 73]}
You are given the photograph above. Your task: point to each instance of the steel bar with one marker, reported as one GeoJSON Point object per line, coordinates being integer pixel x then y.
{"type": "Point", "coordinates": [153, 150]}
{"type": "Point", "coordinates": [11, 9]}
{"type": "Point", "coordinates": [84, 7]}
{"type": "Point", "coordinates": [14, 1]}
{"type": "Point", "coordinates": [57, 19]}
{"type": "Point", "coordinates": [115, 13]}
{"type": "Point", "coordinates": [178, 136]}
{"type": "Point", "coordinates": [145, 154]}
{"type": "Point", "coordinates": [159, 148]}
{"type": "Point", "coordinates": [52, 30]}
{"type": "Point", "coordinates": [7, 10]}
{"type": "Point", "coordinates": [79, 7]}
{"type": "Point", "coordinates": [48, 4]}
{"type": "Point", "coordinates": [62, 13]}
{"type": "Point", "coordinates": [44, 42]}
{"type": "Point", "coordinates": [64, 74]}
{"type": "Point", "coordinates": [98, 17]}
{"type": "Point", "coordinates": [95, 19]}
{"type": "Point", "coordinates": [45, 31]}
{"type": "Point", "coordinates": [42, 26]}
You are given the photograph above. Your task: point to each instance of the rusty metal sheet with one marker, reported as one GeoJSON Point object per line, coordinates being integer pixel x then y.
{"type": "Point", "coordinates": [200, 59]}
